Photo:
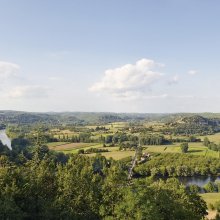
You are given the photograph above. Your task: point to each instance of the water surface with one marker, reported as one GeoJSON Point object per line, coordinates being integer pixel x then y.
{"type": "Point", "coordinates": [198, 180]}
{"type": "Point", "coordinates": [5, 139]}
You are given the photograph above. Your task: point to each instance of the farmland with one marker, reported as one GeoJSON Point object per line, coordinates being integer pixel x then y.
{"type": "Point", "coordinates": [211, 198]}
{"type": "Point", "coordinates": [116, 153]}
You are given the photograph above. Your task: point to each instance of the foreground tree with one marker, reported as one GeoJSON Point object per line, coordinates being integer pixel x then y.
{"type": "Point", "coordinates": [161, 200]}
{"type": "Point", "coordinates": [89, 188]}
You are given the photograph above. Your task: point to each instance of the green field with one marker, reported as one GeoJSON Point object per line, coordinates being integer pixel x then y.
{"type": "Point", "coordinates": [214, 137]}
{"type": "Point", "coordinates": [194, 148]}
{"type": "Point", "coordinates": [211, 198]}
{"type": "Point", "coordinates": [66, 147]}
{"type": "Point", "coordinates": [71, 147]}
{"type": "Point", "coordinates": [117, 155]}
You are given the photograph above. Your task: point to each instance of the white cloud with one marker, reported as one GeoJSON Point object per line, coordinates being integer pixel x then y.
{"type": "Point", "coordinates": [130, 80]}
{"type": "Point", "coordinates": [8, 69]}
{"type": "Point", "coordinates": [28, 91]}
{"type": "Point", "coordinates": [193, 72]}
{"type": "Point", "coordinates": [173, 80]}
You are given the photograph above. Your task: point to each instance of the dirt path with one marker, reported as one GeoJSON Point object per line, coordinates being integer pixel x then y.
{"type": "Point", "coordinates": [211, 214]}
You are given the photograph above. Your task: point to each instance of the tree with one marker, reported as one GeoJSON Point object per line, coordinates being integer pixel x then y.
{"type": "Point", "coordinates": [206, 142]}
{"type": "Point", "coordinates": [210, 187]}
{"type": "Point", "coordinates": [184, 147]}
{"type": "Point", "coordinates": [108, 139]}
{"type": "Point", "coordinates": [162, 201]}
{"type": "Point", "coordinates": [194, 188]}
{"type": "Point", "coordinates": [81, 151]}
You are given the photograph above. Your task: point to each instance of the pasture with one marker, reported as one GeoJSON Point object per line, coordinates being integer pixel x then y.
{"type": "Point", "coordinates": [210, 198]}
{"type": "Point", "coordinates": [213, 138]}
{"type": "Point", "coordinates": [72, 147]}
{"type": "Point", "coordinates": [194, 148]}
{"type": "Point", "coordinates": [115, 153]}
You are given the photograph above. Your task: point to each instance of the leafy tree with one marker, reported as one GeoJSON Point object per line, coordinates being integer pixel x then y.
{"type": "Point", "coordinates": [161, 200]}
{"type": "Point", "coordinates": [184, 147]}
{"type": "Point", "coordinates": [206, 142]}
{"type": "Point", "coordinates": [210, 187]}
{"type": "Point", "coordinates": [108, 139]}
{"type": "Point", "coordinates": [81, 151]}
{"type": "Point", "coordinates": [194, 188]}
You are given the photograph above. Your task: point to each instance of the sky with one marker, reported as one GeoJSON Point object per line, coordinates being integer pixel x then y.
{"type": "Point", "coordinates": [151, 56]}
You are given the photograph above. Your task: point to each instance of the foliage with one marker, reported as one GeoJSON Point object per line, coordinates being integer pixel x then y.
{"type": "Point", "coordinates": [45, 187]}
{"type": "Point", "coordinates": [174, 164]}
{"type": "Point", "coordinates": [184, 147]}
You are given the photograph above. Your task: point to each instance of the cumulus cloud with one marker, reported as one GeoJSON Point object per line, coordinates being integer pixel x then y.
{"type": "Point", "coordinates": [8, 69]}
{"type": "Point", "coordinates": [193, 72]}
{"type": "Point", "coordinates": [130, 80]}
{"type": "Point", "coordinates": [28, 91]}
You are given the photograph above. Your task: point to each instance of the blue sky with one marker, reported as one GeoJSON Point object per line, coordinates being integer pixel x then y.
{"type": "Point", "coordinates": [120, 56]}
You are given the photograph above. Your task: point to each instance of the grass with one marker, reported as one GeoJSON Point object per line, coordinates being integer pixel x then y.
{"type": "Point", "coordinates": [161, 149]}
{"type": "Point", "coordinates": [117, 155]}
{"type": "Point", "coordinates": [72, 146]}
{"type": "Point", "coordinates": [214, 138]}
{"type": "Point", "coordinates": [194, 148]}
{"type": "Point", "coordinates": [54, 144]}
{"type": "Point", "coordinates": [210, 198]}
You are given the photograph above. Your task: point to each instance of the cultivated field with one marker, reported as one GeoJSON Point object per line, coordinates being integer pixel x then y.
{"type": "Point", "coordinates": [55, 144]}
{"type": "Point", "coordinates": [115, 153]}
{"type": "Point", "coordinates": [72, 147]}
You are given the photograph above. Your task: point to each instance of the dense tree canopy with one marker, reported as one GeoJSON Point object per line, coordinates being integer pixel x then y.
{"type": "Point", "coordinates": [50, 186]}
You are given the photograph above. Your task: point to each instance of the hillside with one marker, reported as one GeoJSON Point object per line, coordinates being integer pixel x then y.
{"type": "Point", "coordinates": [195, 124]}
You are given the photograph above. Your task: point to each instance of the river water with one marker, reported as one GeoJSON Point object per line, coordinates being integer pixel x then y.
{"type": "Point", "coordinates": [5, 139]}
{"type": "Point", "coordinates": [198, 180]}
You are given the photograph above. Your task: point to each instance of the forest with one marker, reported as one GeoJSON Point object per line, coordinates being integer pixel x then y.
{"type": "Point", "coordinates": [44, 185]}
{"type": "Point", "coordinates": [108, 169]}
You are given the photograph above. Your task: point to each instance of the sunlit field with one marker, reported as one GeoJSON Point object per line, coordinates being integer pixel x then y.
{"type": "Point", "coordinates": [211, 198]}
{"type": "Point", "coordinates": [115, 153]}
{"type": "Point", "coordinates": [214, 138]}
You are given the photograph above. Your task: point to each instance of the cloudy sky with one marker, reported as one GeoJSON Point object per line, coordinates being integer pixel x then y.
{"type": "Point", "coordinates": [115, 56]}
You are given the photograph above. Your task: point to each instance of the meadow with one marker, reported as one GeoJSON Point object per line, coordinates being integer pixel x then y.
{"type": "Point", "coordinates": [211, 198]}
{"type": "Point", "coordinates": [67, 147]}
{"type": "Point", "coordinates": [115, 153]}
{"type": "Point", "coordinates": [195, 148]}
{"type": "Point", "coordinates": [214, 138]}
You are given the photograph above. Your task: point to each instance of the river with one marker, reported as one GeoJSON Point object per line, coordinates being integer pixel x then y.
{"type": "Point", "coordinates": [198, 180]}
{"type": "Point", "coordinates": [5, 139]}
